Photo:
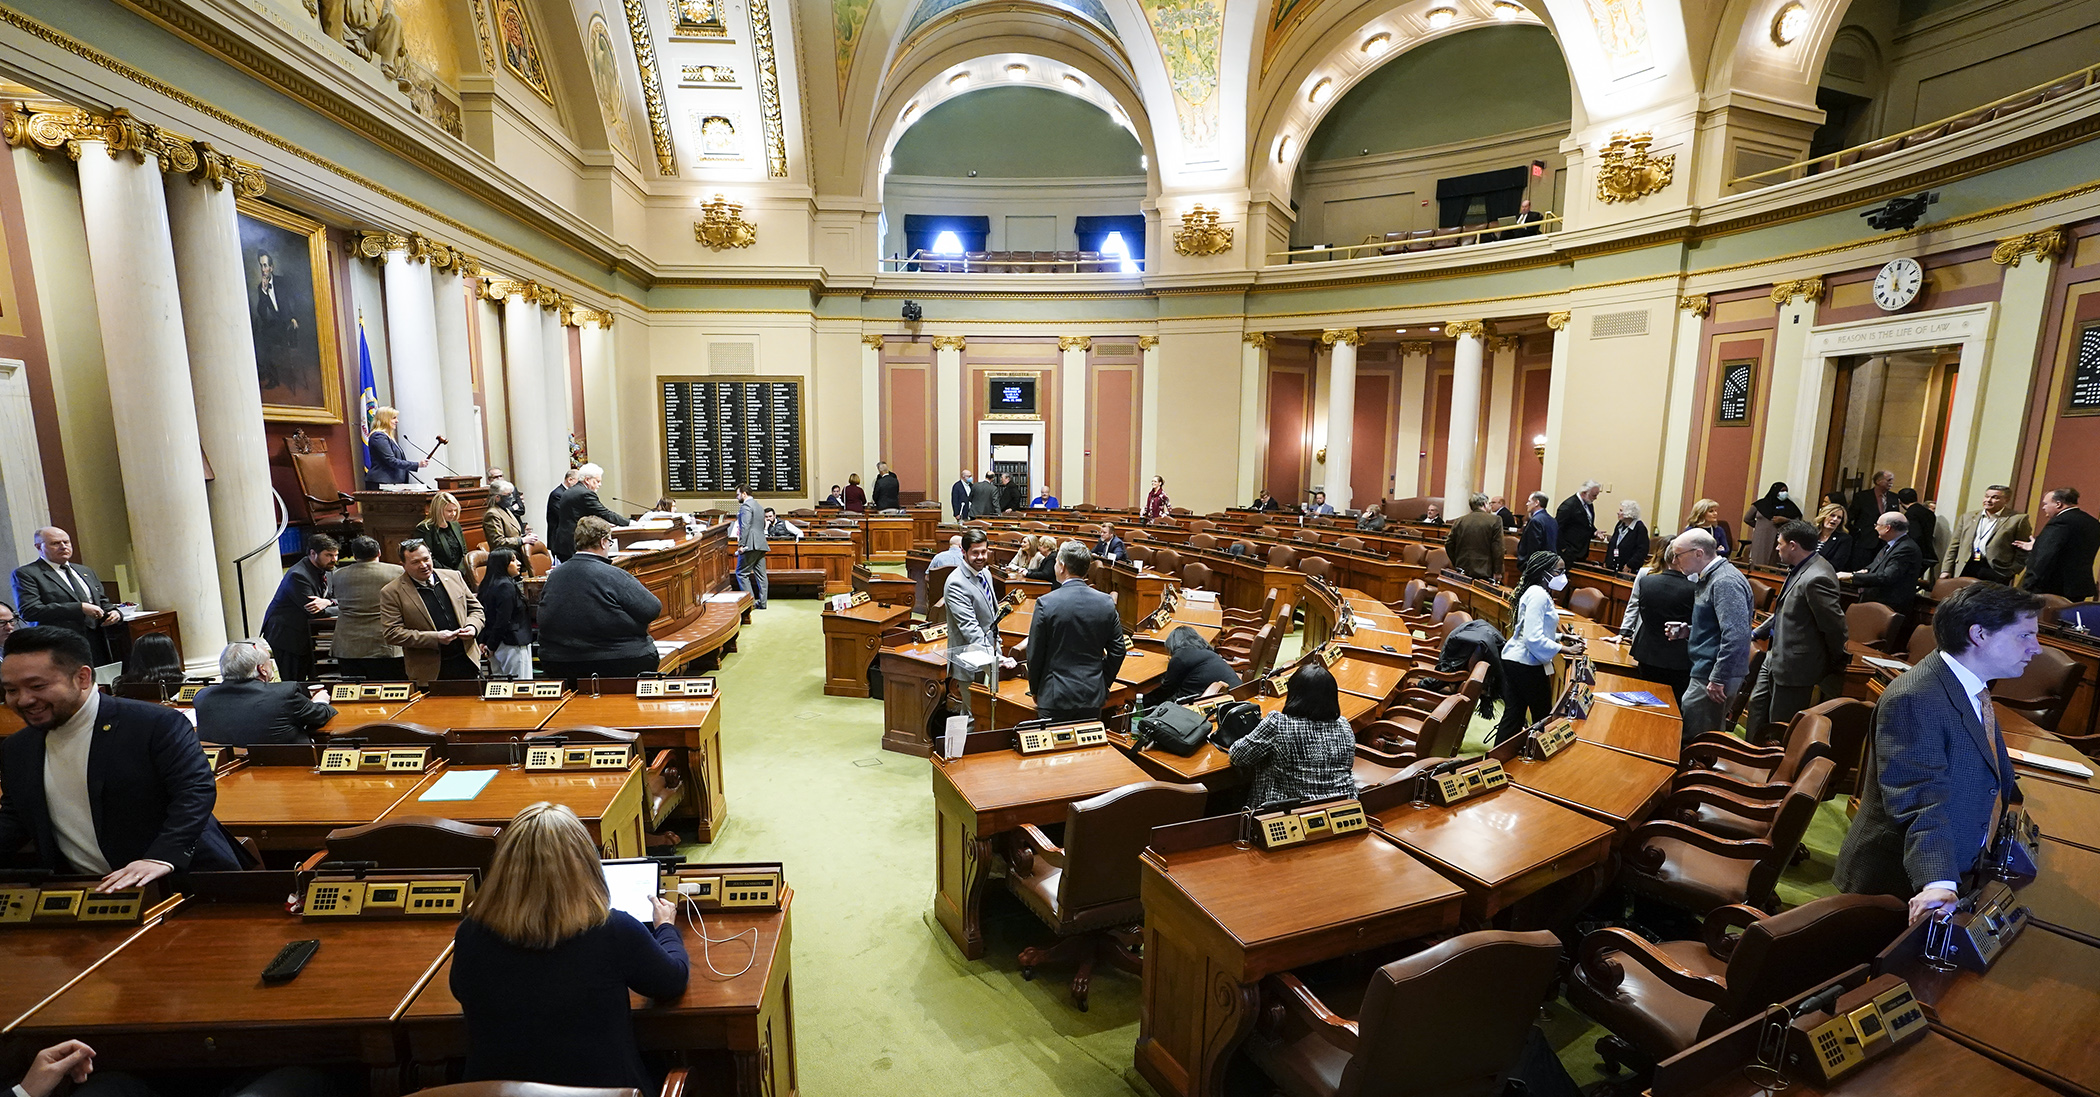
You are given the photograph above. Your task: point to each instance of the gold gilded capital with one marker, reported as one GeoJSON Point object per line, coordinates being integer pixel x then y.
{"type": "Point", "coordinates": [1698, 304]}
{"type": "Point", "coordinates": [1260, 339]}
{"type": "Point", "coordinates": [1810, 289]}
{"type": "Point", "coordinates": [1415, 348]}
{"type": "Point", "coordinates": [2046, 244]}
{"type": "Point", "coordinates": [953, 342]}
{"type": "Point", "coordinates": [377, 244]}
{"type": "Point", "coordinates": [1499, 343]}
{"type": "Point", "coordinates": [1147, 342]}
{"type": "Point", "coordinates": [1075, 342]}
{"type": "Point", "coordinates": [1558, 321]}
{"type": "Point", "coordinates": [1346, 336]}
{"type": "Point", "coordinates": [1459, 329]}
{"type": "Point", "coordinates": [872, 341]}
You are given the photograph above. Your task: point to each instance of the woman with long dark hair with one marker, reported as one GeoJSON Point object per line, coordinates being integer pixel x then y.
{"type": "Point", "coordinates": [507, 628]}
{"type": "Point", "coordinates": [153, 661]}
{"type": "Point", "coordinates": [1305, 751]}
{"type": "Point", "coordinates": [1534, 642]}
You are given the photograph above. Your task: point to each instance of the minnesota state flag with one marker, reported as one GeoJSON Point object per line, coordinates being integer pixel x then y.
{"type": "Point", "coordinates": [368, 389]}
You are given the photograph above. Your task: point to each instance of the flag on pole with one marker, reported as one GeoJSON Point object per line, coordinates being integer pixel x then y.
{"type": "Point", "coordinates": [368, 389]}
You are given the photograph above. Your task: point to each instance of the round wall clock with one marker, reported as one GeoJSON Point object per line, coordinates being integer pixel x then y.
{"type": "Point", "coordinates": [1898, 284]}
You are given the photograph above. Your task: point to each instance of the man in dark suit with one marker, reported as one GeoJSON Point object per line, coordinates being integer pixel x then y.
{"type": "Point", "coordinates": [1937, 768]}
{"type": "Point", "coordinates": [984, 498]}
{"type": "Point", "coordinates": [1499, 507]}
{"type": "Point", "coordinates": [1868, 504]}
{"type": "Point", "coordinates": [147, 810]}
{"type": "Point", "coordinates": [2059, 558]}
{"type": "Point", "coordinates": [1075, 642]}
{"type": "Point", "coordinates": [1110, 545]}
{"type": "Point", "coordinates": [1807, 631]}
{"type": "Point", "coordinates": [1526, 224]}
{"type": "Point", "coordinates": [568, 480]}
{"type": "Point", "coordinates": [249, 705]}
{"type": "Point", "coordinates": [885, 497]}
{"type": "Point", "coordinates": [1475, 541]}
{"type": "Point", "coordinates": [1012, 496]}
{"type": "Point", "coordinates": [1541, 533]}
{"type": "Point", "coordinates": [1577, 519]}
{"type": "Point", "coordinates": [276, 325]}
{"type": "Point", "coordinates": [1924, 529]}
{"type": "Point", "coordinates": [959, 496]}
{"type": "Point", "coordinates": [53, 590]}
{"type": "Point", "coordinates": [580, 501]}
{"type": "Point", "coordinates": [302, 595]}
{"type": "Point", "coordinates": [1892, 577]}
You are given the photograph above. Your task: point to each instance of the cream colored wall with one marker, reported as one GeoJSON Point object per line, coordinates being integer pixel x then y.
{"type": "Point", "coordinates": [1606, 414]}
{"type": "Point", "coordinates": [837, 440]}
{"type": "Point", "coordinates": [1200, 397]}
{"type": "Point", "coordinates": [1342, 201]}
{"type": "Point", "coordinates": [676, 345]}
{"type": "Point", "coordinates": [73, 338]}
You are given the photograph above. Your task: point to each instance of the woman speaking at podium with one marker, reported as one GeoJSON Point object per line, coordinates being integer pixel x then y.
{"type": "Point", "coordinates": [386, 464]}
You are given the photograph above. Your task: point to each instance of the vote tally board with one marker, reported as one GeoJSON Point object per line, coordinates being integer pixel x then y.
{"type": "Point", "coordinates": [724, 432]}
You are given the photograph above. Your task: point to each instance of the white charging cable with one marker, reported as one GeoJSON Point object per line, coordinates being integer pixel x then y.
{"type": "Point", "coordinates": [687, 893]}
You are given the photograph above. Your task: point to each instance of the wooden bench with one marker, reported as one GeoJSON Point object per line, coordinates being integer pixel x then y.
{"type": "Point", "coordinates": [795, 582]}
{"type": "Point", "coordinates": [707, 636]}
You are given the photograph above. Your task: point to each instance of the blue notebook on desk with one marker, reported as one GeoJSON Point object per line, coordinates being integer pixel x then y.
{"type": "Point", "coordinates": [459, 784]}
{"type": "Point", "coordinates": [1633, 698]}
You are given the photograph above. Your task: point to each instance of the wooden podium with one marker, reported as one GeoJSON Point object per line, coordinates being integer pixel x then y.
{"type": "Point", "coordinates": [390, 517]}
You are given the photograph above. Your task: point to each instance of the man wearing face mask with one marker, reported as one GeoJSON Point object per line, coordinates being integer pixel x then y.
{"type": "Point", "coordinates": [1719, 631]}
{"type": "Point", "coordinates": [1527, 659]}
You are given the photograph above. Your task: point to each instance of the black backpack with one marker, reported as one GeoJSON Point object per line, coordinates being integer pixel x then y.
{"type": "Point", "coordinates": [1235, 720]}
{"type": "Point", "coordinates": [1174, 728]}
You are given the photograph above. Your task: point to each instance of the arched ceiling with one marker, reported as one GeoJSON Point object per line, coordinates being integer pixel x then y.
{"type": "Point", "coordinates": [1479, 83]}
{"type": "Point", "coordinates": [1022, 129]}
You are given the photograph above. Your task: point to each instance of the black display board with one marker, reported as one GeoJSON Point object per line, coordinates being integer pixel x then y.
{"type": "Point", "coordinates": [1734, 404]}
{"type": "Point", "coordinates": [2082, 395]}
{"type": "Point", "coordinates": [721, 433]}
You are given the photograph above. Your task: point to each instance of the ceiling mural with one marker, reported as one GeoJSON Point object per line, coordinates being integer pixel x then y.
{"type": "Point", "coordinates": [847, 19]}
{"type": "Point", "coordinates": [605, 80]}
{"type": "Point", "coordinates": [520, 48]}
{"type": "Point", "coordinates": [1622, 32]}
{"type": "Point", "coordinates": [1282, 21]}
{"type": "Point", "coordinates": [1189, 33]}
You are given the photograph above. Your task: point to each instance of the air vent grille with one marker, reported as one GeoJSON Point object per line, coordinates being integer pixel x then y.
{"type": "Point", "coordinates": [1613, 325]}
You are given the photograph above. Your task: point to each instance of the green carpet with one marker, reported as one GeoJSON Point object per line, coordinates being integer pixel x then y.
{"type": "Point", "coordinates": [884, 1002]}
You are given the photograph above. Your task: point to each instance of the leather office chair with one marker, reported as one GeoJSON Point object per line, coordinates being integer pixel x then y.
{"type": "Point", "coordinates": [1087, 889]}
{"type": "Point", "coordinates": [542, 560]}
{"type": "Point", "coordinates": [2053, 604]}
{"type": "Point", "coordinates": [1761, 595]}
{"type": "Point", "coordinates": [936, 587]}
{"type": "Point", "coordinates": [327, 504]}
{"type": "Point", "coordinates": [1739, 705]}
{"type": "Point", "coordinates": [1716, 802]}
{"type": "Point", "coordinates": [674, 1086]}
{"type": "Point", "coordinates": [1922, 643]}
{"type": "Point", "coordinates": [1412, 553]}
{"type": "Point", "coordinates": [1244, 548]}
{"type": "Point", "coordinates": [1166, 560]}
{"type": "Point", "coordinates": [1282, 556]}
{"type": "Point", "coordinates": [1658, 1000]}
{"type": "Point", "coordinates": [1874, 625]}
{"type": "Point", "coordinates": [1411, 598]}
{"type": "Point", "coordinates": [1243, 654]}
{"type": "Point", "coordinates": [410, 841]}
{"type": "Point", "coordinates": [1196, 575]}
{"type": "Point", "coordinates": [1316, 566]}
{"type": "Point", "coordinates": [477, 559]}
{"type": "Point", "coordinates": [1349, 544]}
{"type": "Point", "coordinates": [1268, 531]}
{"type": "Point", "coordinates": [1309, 535]}
{"type": "Point", "coordinates": [1587, 602]}
{"type": "Point", "coordinates": [1252, 618]}
{"type": "Point", "coordinates": [2043, 691]}
{"type": "Point", "coordinates": [1689, 869]}
{"type": "Point", "coordinates": [1436, 560]}
{"type": "Point", "coordinates": [1449, 1021]}
{"type": "Point", "coordinates": [1438, 733]}
{"type": "Point", "coordinates": [1199, 525]}
{"type": "Point", "coordinates": [1203, 541]}
{"type": "Point", "coordinates": [1137, 553]}
{"type": "Point", "coordinates": [1945, 588]}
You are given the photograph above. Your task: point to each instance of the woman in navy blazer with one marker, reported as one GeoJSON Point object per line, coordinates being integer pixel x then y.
{"type": "Point", "coordinates": [387, 464]}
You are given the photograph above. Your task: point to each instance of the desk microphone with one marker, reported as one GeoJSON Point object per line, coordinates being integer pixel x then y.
{"type": "Point", "coordinates": [631, 503]}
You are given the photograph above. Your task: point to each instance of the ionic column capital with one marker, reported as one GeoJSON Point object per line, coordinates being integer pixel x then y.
{"type": "Point", "coordinates": [1075, 342]}
{"type": "Point", "coordinates": [1147, 342]}
{"type": "Point", "coordinates": [1459, 329]}
{"type": "Point", "coordinates": [1350, 337]}
{"type": "Point", "coordinates": [2046, 244]}
{"type": "Point", "coordinates": [1784, 293]}
{"type": "Point", "coordinates": [957, 342]}
{"type": "Point", "coordinates": [1261, 340]}
{"type": "Point", "coordinates": [1558, 321]}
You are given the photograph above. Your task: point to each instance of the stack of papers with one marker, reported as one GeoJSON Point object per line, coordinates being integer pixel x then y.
{"type": "Point", "coordinates": [459, 784]}
{"type": "Point", "coordinates": [665, 647]}
{"type": "Point", "coordinates": [2043, 761]}
{"type": "Point", "coordinates": [1897, 665]}
{"type": "Point", "coordinates": [647, 546]}
{"type": "Point", "coordinates": [1203, 596]}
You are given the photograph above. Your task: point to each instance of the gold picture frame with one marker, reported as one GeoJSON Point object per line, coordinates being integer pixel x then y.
{"type": "Point", "coordinates": [993, 377]}
{"type": "Point", "coordinates": [297, 358]}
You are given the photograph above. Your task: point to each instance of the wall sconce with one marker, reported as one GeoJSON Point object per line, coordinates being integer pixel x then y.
{"type": "Point", "coordinates": [722, 225]}
{"type": "Point", "coordinates": [1201, 234]}
{"type": "Point", "coordinates": [1538, 445]}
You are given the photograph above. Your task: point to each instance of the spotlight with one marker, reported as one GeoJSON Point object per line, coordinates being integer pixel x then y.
{"type": "Point", "coordinates": [1789, 24]}
{"type": "Point", "coordinates": [1378, 43]}
{"type": "Point", "coordinates": [1439, 18]}
{"type": "Point", "coordinates": [1900, 213]}
{"type": "Point", "coordinates": [912, 312]}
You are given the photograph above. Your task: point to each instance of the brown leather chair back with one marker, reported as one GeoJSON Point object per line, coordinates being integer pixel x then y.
{"type": "Point", "coordinates": [1412, 553]}
{"type": "Point", "coordinates": [2051, 605]}
{"type": "Point", "coordinates": [1195, 575]}
{"type": "Point", "coordinates": [937, 584]}
{"type": "Point", "coordinates": [1411, 596]}
{"type": "Point", "coordinates": [1317, 566]}
{"type": "Point", "coordinates": [1282, 556]}
{"type": "Point", "coordinates": [1105, 834]}
{"type": "Point", "coordinates": [1137, 554]}
{"type": "Point", "coordinates": [1587, 602]}
{"type": "Point", "coordinates": [1922, 643]}
{"type": "Point", "coordinates": [843, 523]}
{"type": "Point", "coordinates": [1453, 1018]}
{"type": "Point", "coordinates": [477, 559]}
{"type": "Point", "coordinates": [522, 1089]}
{"type": "Point", "coordinates": [1200, 525]}
{"type": "Point", "coordinates": [2044, 689]}
{"type": "Point", "coordinates": [1806, 741]}
{"type": "Point", "coordinates": [1441, 605]}
{"type": "Point", "coordinates": [1945, 588]}
{"type": "Point", "coordinates": [1436, 560]}
{"type": "Point", "coordinates": [1873, 624]}
{"type": "Point", "coordinates": [1450, 624]}
{"type": "Point", "coordinates": [1167, 560]}
{"type": "Point", "coordinates": [1311, 536]}
{"type": "Point", "coordinates": [1267, 531]}
{"type": "Point", "coordinates": [1203, 541]}
{"type": "Point", "coordinates": [1761, 595]}
{"type": "Point", "coordinates": [542, 560]}
{"type": "Point", "coordinates": [1851, 721]}
{"type": "Point", "coordinates": [1349, 544]}
{"type": "Point", "coordinates": [1788, 828]}
{"type": "Point", "coordinates": [1446, 727]}
{"type": "Point", "coordinates": [1782, 955]}
{"type": "Point", "coordinates": [415, 841]}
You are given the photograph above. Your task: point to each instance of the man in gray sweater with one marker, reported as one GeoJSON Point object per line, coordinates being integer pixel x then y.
{"type": "Point", "coordinates": [1719, 631]}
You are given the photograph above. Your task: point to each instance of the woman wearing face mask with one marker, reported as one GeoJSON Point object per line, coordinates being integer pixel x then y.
{"type": "Point", "coordinates": [1763, 520]}
{"type": "Point", "coordinates": [1527, 659]}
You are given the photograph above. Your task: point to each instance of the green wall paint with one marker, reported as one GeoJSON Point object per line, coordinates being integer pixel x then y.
{"type": "Point", "coordinates": [1481, 82]}
{"type": "Point", "coordinates": [1016, 133]}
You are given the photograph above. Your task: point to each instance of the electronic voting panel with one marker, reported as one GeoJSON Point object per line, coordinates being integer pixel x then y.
{"type": "Point", "coordinates": [723, 432]}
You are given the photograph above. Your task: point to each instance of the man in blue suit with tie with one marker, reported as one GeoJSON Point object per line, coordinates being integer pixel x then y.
{"type": "Point", "coordinates": [1940, 774]}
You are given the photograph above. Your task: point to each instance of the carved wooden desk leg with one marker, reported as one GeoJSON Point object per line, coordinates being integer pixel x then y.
{"type": "Point", "coordinates": [1194, 1011]}
{"type": "Point", "coordinates": [964, 861]}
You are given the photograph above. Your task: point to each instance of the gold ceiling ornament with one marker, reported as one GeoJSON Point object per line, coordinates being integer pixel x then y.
{"type": "Point", "coordinates": [1201, 234]}
{"type": "Point", "coordinates": [1698, 304]}
{"type": "Point", "coordinates": [652, 87]}
{"type": "Point", "coordinates": [1558, 321]}
{"type": "Point", "coordinates": [872, 341]}
{"type": "Point", "coordinates": [1783, 293]}
{"type": "Point", "coordinates": [376, 244]}
{"type": "Point", "coordinates": [769, 110]}
{"type": "Point", "coordinates": [1147, 342]}
{"type": "Point", "coordinates": [1625, 170]}
{"type": "Point", "coordinates": [1415, 348]}
{"type": "Point", "coordinates": [722, 225]}
{"type": "Point", "coordinates": [219, 169]}
{"type": "Point", "coordinates": [601, 318]}
{"type": "Point", "coordinates": [1498, 343]}
{"type": "Point", "coordinates": [1348, 336]}
{"type": "Point", "coordinates": [1260, 339]}
{"type": "Point", "coordinates": [955, 342]}
{"type": "Point", "coordinates": [2046, 244]}
{"type": "Point", "coordinates": [1459, 329]}
{"type": "Point", "coordinates": [1075, 342]}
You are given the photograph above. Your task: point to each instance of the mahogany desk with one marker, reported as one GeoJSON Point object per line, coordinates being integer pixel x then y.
{"type": "Point", "coordinates": [2042, 743]}
{"type": "Point", "coordinates": [1141, 670]}
{"type": "Point", "coordinates": [188, 994]}
{"type": "Point", "coordinates": [1642, 732]}
{"type": "Point", "coordinates": [2035, 1010]}
{"type": "Point", "coordinates": [1356, 708]}
{"type": "Point", "coordinates": [2066, 893]}
{"type": "Point", "coordinates": [1600, 782]}
{"type": "Point", "coordinates": [1604, 649]}
{"type": "Point", "coordinates": [609, 803]}
{"type": "Point", "coordinates": [1373, 674]}
{"type": "Point", "coordinates": [887, 540]}
{"type": "Point", "coordinates": [978, 797]}
{"type": "Point", "coordinates": [353, 714]}
{"type": "Point", "coordinates": [1500, 847]}
{"type": "Point", "coordinates": [294, 807]}
{"type": "Point", "coordinates": [852, 640]}
{"type": "Point", "coordinates": [1218, 919]}
{"type": "Point", "coordinates": [1209, 766]}
{"type": "Point", "coordinates": [1138, 592]}
{"type": "Point", "coordinates": [2064, 812]}
{"type": "Point", "coordinates": [750, 1018]}
{"type": "Point", "coordinates": [462, 712]}
{"type": "Point", "coordinates": [690, 727]}
{"type": "Point", "coordinates": [914, 682]}
{"type": "Point", "coordinates": [39, 960]}
{"type": "Point", "coordinates": [1932, 1066]}
{"type": "Point", "coordinates": [1609, 682]}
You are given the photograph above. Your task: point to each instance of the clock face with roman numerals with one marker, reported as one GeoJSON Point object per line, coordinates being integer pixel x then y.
{"type": "Point", "coordinates": [1898, 284]}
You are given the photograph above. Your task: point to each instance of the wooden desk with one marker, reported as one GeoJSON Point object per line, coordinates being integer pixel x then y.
{"type": "Point", "coordinates": [1642, 732]}
{"type": "Point", "coordinates": [471, 712]}
{"type": "Point", "coordinates": [852, 640]}
{"type": "Point", "coordinates": [2048, 746]}
{"type": "Point", "coordinates": [1137, 593]}
{"type": "Point", "coordinates": [1356, 708]}
{"type": "Point", "coordinates": [2035, 1010]}
{"type": "Point", "coordinates": [38, 960]}
{"type": "Point", "coordinates": [979, 797]}
{"type": "Point", "coordinates": [1931, 1066]}
{"type": "Point", "coordinates": [186, 995]}
{"type": "Point", "coordinates": [888, 539]}
{"type": "Point", "coordinates": [1209, 766]}
{"type": "Point", "coordinates": [2064, 812]}
{"type": "Point", "coordinates": [750, 1017]}
{"type": "Point", "coordinates": [293, 807]}
{"type": "Point", "coordinates": [349, 715]}
{"type": "Point", "coordinates": [390, 517]}
{"type": "Point", "coordinates": [2066, 893]}
{"type": "Point", "coordinates": [914, 684]}
{"type": "Point", "coordinates": [1373, 674]}
{"type": "Point", "coordinates": [608, 803]}
{"type": "Point", "coordinates": [1219, 918]}
{"type": "Point", "coordinates": [1608, 682]}
{"type": "Point", "coordinates": [1603, 647]}
{"type": "Point", "coordinates": [1600, 782]}
{"type": "Point", "coordinates": [1500, 847]}
{"type": "Point", "coordinates": [691, 727]}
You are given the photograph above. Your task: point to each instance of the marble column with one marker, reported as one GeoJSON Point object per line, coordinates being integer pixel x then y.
{"type": "Point", "coordinates": [1414, 395]}
{"type": "Point", "coordinates": [2001, 391]}
{"type": "Point", "coordinates": [947, 416]}
{"type": "Point", "coordinates": [870, 411]}
{"type": "Point", "coordinates": [1254, 354]}
{"type": "Point", "coordinates": [228, 391]}
{"type": "Point", "coordinates": [1341, 413]}
{"type": "Point", "coordinates": [1503, 401]}
{"type": "Point", "coordinates": [533, 466]}
{"type": "Point", "coordinates": [1461, 458]}
{"type": "Point", "coordinates": [601, 404]}
{"type": "Point", "coordinates": [153, 404]}
{"type": "Point", "coordinates": [1791, 441]}
{"type": "Point", "coordinates": [1072, 371]}
{"type": "Point", "coordinates": [1148, 414]}
{"type": "Point", "coordinates": [1680, 413]}
{"type": "Point", "coordinates": [554, 373]}
{"type": "Point", "coordinates": [412, 348]}
{"type": "Point", "coordinates": [1558, 383]}
{"type": "Point", "coordinates": [463, 451]}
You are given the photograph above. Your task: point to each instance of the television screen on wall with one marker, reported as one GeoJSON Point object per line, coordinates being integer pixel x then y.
{"type": "Point", "coordinates": [1010, 395]}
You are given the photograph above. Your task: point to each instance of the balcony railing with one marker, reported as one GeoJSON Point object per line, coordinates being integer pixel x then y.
{"type": "Point", "coordinates": [1012, 262]}
{"type": "Point", "coordinates": [1398, 243]}
{"type": "Point", "coordinates": [1930, 131]}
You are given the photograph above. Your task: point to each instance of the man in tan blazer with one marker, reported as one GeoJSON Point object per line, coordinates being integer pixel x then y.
{"type": "Point", "coordinates": [1984, 543]}
{"type": "Point", "coordinates": [432, 617]}
{"type": "Point", "coordinates": [501, 528]}
{"type": "Point", "coordinates": [1474, 542]}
